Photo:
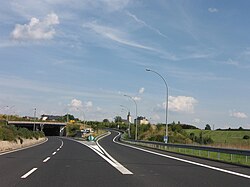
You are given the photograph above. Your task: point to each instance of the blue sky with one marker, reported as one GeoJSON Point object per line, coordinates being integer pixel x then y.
{"type": "Point", "coordinates": [82, 57]}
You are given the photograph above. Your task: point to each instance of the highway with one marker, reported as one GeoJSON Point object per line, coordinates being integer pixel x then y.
{"type": "Point", "coordinates": [65, 162]}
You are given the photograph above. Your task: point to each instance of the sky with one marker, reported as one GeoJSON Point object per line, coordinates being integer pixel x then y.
{"type": "Point", "coordinates": [83, 56]}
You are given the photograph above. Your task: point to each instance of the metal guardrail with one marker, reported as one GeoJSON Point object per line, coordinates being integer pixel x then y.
{"type": "Point", "coordinates": [195, 147]}
{"type": "Point", "coordinates": [235, 156]}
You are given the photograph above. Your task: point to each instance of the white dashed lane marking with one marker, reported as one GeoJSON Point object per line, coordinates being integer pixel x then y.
{"type": "Point", "coordinates": [45, 160]}
{"type": "Point", "coordinates": [29, 173]}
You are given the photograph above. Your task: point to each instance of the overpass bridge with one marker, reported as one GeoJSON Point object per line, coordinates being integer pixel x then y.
{"type": "Point", "coordinates": [49, 128]}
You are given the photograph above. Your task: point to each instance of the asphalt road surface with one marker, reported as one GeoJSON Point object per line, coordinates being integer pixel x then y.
{"type": "Point", "coordinates": [65, 162]}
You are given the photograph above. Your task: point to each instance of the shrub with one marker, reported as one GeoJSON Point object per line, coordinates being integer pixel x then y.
{"type": "Point", "coordinates": [72, 129]}
{"type": "Point", "coordinates": [158, 138]}
{"type": "Point", "coordinates": [7, 134]}
{"type": "Point", "coordinates": [246, 137]}
{"type": "Point", "coordinates": [11, 133]}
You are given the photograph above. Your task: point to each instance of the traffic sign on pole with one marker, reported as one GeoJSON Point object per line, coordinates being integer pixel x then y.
{"type": "Point", "coordinates": [166, 139]}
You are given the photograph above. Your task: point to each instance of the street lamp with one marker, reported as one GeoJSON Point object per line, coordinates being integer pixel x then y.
{"type": "Point", "coordinates": [129, 135]}
{"type": "Point", "coordinates": [135, 114]}
{"type": "Point", "coordinates": [9, 108]}
{"type": "Point", "coordinates": [84, 116]}
{"type": "Point", "coordinates": [166, 137]}
{"type": "Point", "coordinates": [34, 126]}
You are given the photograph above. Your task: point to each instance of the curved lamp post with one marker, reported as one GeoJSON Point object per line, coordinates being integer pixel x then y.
{"type": "Point", "coordinates": [166, 137]}
{"type": "Point", "coordinates": [135, 114]}
{"type": "Point", "coordinates": [9, 108]}
{"type": "Point", "coordinates": [84, 116]}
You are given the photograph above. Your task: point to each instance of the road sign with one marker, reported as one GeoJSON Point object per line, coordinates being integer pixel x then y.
{"type": "Point", "coordinates": [91, 138]}
{"type": "Point", "coordinates": [166, 139]}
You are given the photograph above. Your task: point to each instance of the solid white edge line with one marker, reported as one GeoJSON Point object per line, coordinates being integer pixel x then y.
{"type": "Point", "coordinates": [28, 173]}
{"type": "Point", "coordinates": [58, 149]}
{"type": "Point", "coordinates": [105, 152]}
{"type": "Point", "coordinates": [4, 153]}
{"type": "Point", "coordinates": [183, 160]}
{"type": "Point", "coordinates": [127, 172]}
{"type": "Point", "coordinates": [45, 160]}
{"type": "Point", "coordinates": [54, 153]}
{"type": "Point", "coordinates": [97, 148]}
{"type": "Point", "coordinates": [104, 157]}
{"type": "Point", "coordinates": [120, 166]}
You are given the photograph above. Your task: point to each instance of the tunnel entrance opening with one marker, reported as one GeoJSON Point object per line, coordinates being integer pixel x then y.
{"type": "Point", "coordinates": [51, 130]}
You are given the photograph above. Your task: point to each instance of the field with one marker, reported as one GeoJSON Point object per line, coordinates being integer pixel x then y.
{"type": "Point", "coordinates": [230, 139]}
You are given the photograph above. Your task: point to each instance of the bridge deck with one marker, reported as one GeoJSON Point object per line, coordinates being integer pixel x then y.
{"type": "Point", "coordinates": [36, 122]}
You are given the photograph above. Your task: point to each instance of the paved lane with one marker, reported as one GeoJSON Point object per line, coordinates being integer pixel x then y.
{"type": "Point", "coordinates": [153, 170]}
{"type": "Point", "coordinates": [65, 162]}
{"type": "Point", "coordinates": [73, 165]}
{"type": "Point", "coordinates": [16, 164]}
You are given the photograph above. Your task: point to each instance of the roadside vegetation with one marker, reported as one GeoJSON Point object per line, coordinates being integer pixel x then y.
{"type": "Point", "coordinates": [73, 128]}
{"type": "Point", "coordinates": [11, 133]}
{"type": "Point", "coordinates": [183, 134]}
{"type": "Point", "coordinates": [178, 133]}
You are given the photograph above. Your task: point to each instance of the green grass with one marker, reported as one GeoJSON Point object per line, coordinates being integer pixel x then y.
{"type": "Point", "coordinates": [233, 139]}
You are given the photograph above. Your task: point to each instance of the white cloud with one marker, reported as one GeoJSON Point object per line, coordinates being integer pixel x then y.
{"type": "Point", "coordinates": [145, 24]}
{"type": "Point", "coordinates": [115, 35]}
{"type": "Point", "coordinates": [75, 105]}
{"type": "Point", "coordinates": [232, 62]}
{"type": "Point", "coordinates": [213, 10]}
{"type": "Point", "coordinates": [141, 91]}
{"type": "Point", "coordinates": [89, 104]}
{"type": "Point", "coordinates": [136, 98]}
{"type": "Point", "coordinates": [36, 29]}
{"type": "Point", "coordinates": [115, 5]}
{"type": "Point", "coordinates": [196, 120]}
{"type": "Point", "coordinates": [238, 115]}
{"type": "Point", "coordinates": [181, 104]}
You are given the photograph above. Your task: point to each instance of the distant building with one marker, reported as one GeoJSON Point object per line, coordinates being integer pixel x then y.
{"type": "Point", "coordinates": [142, 120]}
{"type": "Point", "coordinates": [50, 117]}
{"type": "Point", "coordinates": [30, 118]}
{"type": "Point", "coordinates": [129, 119]}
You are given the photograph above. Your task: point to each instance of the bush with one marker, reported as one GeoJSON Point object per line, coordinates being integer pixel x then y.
{"type": "Point", "coordinates": [157, 138]}
{"type": "Point", "coordinates": [246, 137]}
{"type": "Point", "coordinates": [7, 135]}
{"type": "Point", "coordinates": [72, 129]}
{"type": "Point", "coordinates": [11, 133]}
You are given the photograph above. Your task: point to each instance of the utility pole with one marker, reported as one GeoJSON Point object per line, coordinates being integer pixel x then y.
{"type": "Point", "coordinates": [34, 126]}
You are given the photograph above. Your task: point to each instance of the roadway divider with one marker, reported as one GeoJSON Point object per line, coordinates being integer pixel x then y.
{"type": "Point", "coordinates": [235, 156]}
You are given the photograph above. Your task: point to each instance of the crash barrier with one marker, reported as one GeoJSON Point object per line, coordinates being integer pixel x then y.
{"type": "Point", "coordinates": [235, 156]}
